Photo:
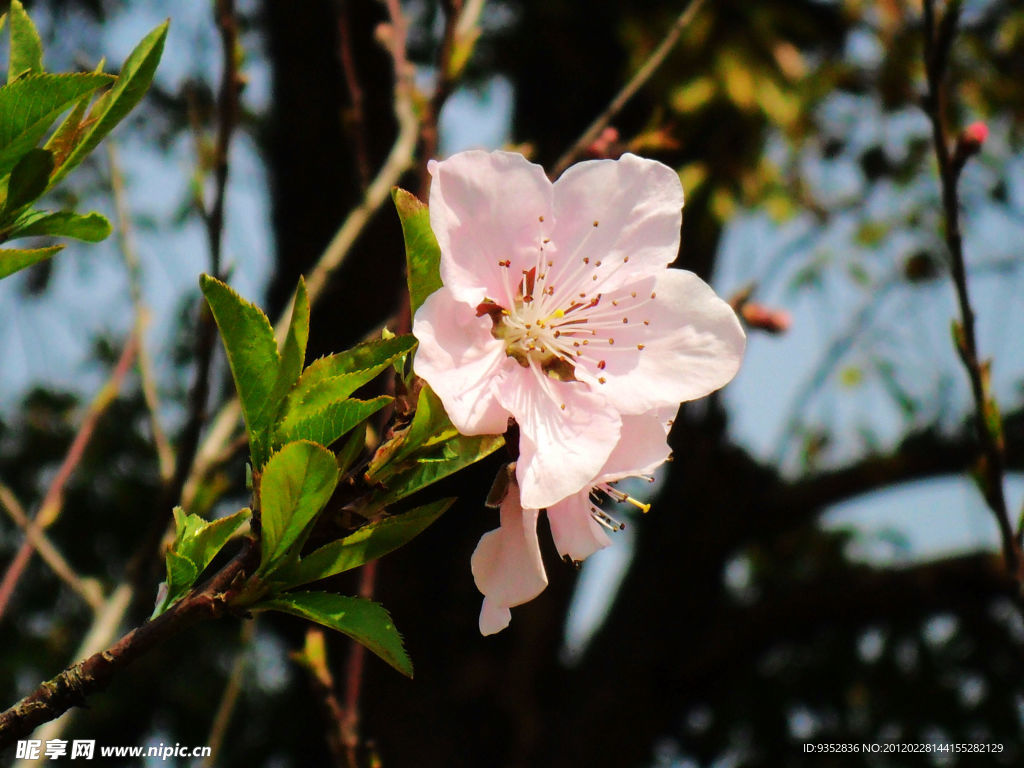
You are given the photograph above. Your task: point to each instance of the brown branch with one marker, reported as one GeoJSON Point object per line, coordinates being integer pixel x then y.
{"type": "Point", "coordinates": [72, 686]}
{"type": "Point", "coordinates": [925, 454]}
{"type": "Point", "coordinates": [938, 39]}
{"type": "Point", "coordinates": [53, 501]}
{"type": "Point", "coordinates": [655, 60]}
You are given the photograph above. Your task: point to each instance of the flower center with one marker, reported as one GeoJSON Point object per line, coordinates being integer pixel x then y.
{"type": "Point", "coordinates": [557, 328]}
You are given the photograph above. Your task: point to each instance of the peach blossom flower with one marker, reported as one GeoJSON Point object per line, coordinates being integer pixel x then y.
{"type": "Point", "coordinates": [558, 310]}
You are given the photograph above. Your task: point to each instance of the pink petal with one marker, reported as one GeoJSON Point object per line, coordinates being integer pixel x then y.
{"type": "Point", "coordinates": [692, 346]}
{"type": "Point", "coordinates": [574, 529]}
{"type": "Point", "coordinates": [486, 208]}
{"type": "Point", "coordinates": [507, 565]}
{"type": "Point", "coordinates": [561, 450]}
{"type": "Point", "coordinates": [460, 359]}
{"type": "Point", "coordinates": [637, 204]}
{"type": "Point", "coordinates": [642, 445]}
{"type": "Point", "coordinates": [493, 617]}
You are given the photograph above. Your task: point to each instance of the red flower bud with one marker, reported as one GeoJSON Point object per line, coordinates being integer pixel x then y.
{"type": "Point", "coordinates": [975, 134]}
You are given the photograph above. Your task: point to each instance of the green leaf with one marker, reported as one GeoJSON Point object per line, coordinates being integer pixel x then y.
{"type": "Point", "coordinates": [11, 259]}
{"type": "Point", "coordinates": [293, 355]}
{"type": "Point", "coordinates": [185, 525]}
{"type": "Point", "coordinates": [26, 47]}
{"type": "Point", "coordinates": [330, 422]}
{"type": "Point", "coordinates": [253, 357]}
{"type": "Point", "coordinates": [203, 540]}
{"type": "Point", "coordinates": [364, 621]}
{"type": "Point", "coordinates": [91, 227]}
{"type": "Point", "coordinates": [71, 129]}
{"type": "Point", "coordinates": [29, 105]}
{"type": "Point", "coordinates": [422, 254]}
{"type": "Point", "coordinates": [443, 460]}
{"type": "Point", "coordinates": [181, 575]}
{"type": "Point", "coordinates": [132, 84]}
{"type": "Point", "coordinates": [370, 542]}
{"type": "Point", "coordinates": [350, 370]}
{"type": "Point", "coordinates": [28, 180]}
{"type": "Point", "coordinates": [352, 449]}
{"type": "Point", "coordinates": [430, 425]}
{"type": "Point", "coordinates": [296, 484]}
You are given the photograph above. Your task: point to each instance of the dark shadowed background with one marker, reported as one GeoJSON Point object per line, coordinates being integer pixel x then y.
{"type": "Point", "coordinates": [817, 565]}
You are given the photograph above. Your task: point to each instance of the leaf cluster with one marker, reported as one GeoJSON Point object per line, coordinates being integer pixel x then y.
{"type": "Point", "coordinates": [31, 102]}
{"type": "Point", "coordinates": [307, 435]}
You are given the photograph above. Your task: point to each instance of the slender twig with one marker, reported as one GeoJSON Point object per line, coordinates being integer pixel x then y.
{"type": "Point", "coordinates": [461, 30]}
{"type": "Point", "coordinates": [227, 118]}
{"type": "Point", "coordinates": [398, 161]}
{"type": "Point", "coordinates": [206, 333]}
{"type": "Point", "coordinates": [87, 589]}
{"type": "Point", "coordinates": [355, 115]}
{"type": "Point", "coordinates": [126, 241]}
{"type": "Point", "coordinates": [71, 687]}
{"type": "Point", "coordinates": [445, 83]}
{"type": "Point", "coordinates": [938, 39]}
{"type": "Point", "coordinates": [655, 60]}
{"type": "Point", "coordinates": [313, 657]}
{"type": "Point", "coordinates": [229, 699]}
{"type": "Point", "coordinates": [356, 662]}
{"type": "Point", "coordinates": [53, 501]}
{"type": "Point", "coordinates": [224, 427]}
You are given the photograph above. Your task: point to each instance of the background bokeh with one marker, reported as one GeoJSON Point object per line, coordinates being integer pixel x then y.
{"type": "Point", "coordinates": [818, 565]}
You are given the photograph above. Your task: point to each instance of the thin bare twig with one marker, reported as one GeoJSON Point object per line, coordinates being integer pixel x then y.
{"type": "Point", "coordinates": [938, 40]}
{"type": "Point", "coordinates": [53, 501]}
{"type": "Point", "coordinates": [126, 240]}
{"type": "Point", "coordinates": [229, 699]}
{"type": "Point", "coordinates": [355, 115]}
{"type": "Point", "coordinates": [655, 60]}
{"type": "Point", "coordinates": [398, 161]}
{"type": "Point", "coordinates": [356, 662]}
{"type": "Point", "coordinates": [87, 589]}
{"type": "Point", "coordinates": [313, 657]}
{"type": "Point", "coordinates": [206, 335]}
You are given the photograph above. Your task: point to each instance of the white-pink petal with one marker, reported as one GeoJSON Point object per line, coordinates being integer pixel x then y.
{"type": "Point", "coordinates": [575, 531]}
{"type": "Point", "coordinates": [507, 565]}
{"type": "Point", "coordinates": [566, 433]}
{"type": "Point", "coordinates": [460, 359]}
{"type": "Point", "coordinates": [642, 446]}
{"type": "Point", "coordinates": [485, 208]}
{"type": "Point", "coordinates": [625, 213]}
{"type": "Point", "coordinates": [693, 346]}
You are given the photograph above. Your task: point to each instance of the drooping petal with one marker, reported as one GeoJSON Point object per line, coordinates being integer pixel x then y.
{"type": "Point", "coordinates": [486, 208]}
{"type": "Point", "coordinates": [460, 359]}
{"type": "Point", "coordinates": [493, 617]}
{"type": "Point", "coordinates": [566, 433]}
{"type": "Point", "coordinates": [507, 565]}
{"type": "Point", "coordinates": [642, 445]}
{"type": "Point", "coordinates": [575, 531]}
{"type": "Point", "coordinates": [625, 214]}
{"type": "Point", "coordinates": [692, 345]}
